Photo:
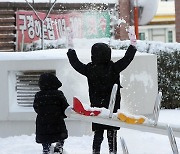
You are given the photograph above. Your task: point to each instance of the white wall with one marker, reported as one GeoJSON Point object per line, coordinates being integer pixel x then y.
{"type": "Point", "coordinates": [140, 85]}
{"type": "Point", "coordinates": [138, 95]}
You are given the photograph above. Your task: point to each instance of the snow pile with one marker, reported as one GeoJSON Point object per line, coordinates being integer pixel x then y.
{"type": "Point", "coordinates": [146, 46]}
{"type": "Point", "coordinates": [142, 46]}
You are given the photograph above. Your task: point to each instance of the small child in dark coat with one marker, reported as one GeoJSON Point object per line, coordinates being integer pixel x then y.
{"type": "Point", "coordinates": [50, 105]}
{"type": "Point", "coordinates": [102, 74]}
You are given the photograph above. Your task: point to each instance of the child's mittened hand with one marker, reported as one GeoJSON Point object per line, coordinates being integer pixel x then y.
{"type": "Point", "coordinates": [71, 50]}
{"type": "Point", "coordinates": [132, 36]}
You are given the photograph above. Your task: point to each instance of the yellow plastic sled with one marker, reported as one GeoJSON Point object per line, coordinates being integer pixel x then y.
{"type": "Point", "coordinates": [130, 120]}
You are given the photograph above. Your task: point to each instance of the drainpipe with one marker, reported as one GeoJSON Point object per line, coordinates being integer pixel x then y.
{"type": "Point", "coordinates": [136, 22]}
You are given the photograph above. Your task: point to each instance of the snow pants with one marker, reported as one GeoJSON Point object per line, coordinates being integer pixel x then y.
{"type": "Point", "coordinates": [112, 141]}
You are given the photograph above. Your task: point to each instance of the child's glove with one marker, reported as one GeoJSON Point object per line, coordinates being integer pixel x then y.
{"type": "Point", "coordinates": [68, 111]}
{"type": "Point", "coordinates": [132, 36]}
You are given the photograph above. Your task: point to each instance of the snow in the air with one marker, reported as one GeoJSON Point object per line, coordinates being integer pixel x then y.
{"type": "Point", "coordinates": [137, 142]}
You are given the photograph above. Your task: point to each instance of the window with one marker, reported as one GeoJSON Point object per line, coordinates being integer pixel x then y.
{"type": "Point", "coordinates": [27, 86]}
{"type": "Point", "coordinates": [170, 36]}
{"type": "Point", "coordinates": [142, 36]}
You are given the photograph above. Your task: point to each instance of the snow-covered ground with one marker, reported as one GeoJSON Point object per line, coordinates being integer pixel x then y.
{"type": "Point", "coordinates": [136, 141]}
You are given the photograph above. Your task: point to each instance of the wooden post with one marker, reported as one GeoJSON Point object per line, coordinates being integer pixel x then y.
{"type": "Point", "coordinates": [124, 13]}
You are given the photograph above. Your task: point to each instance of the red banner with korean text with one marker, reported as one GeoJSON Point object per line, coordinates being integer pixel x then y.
{"type": "Point", "coordinates": [83, 25]}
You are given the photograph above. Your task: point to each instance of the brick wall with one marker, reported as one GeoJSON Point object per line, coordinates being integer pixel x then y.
{"type": "Point", "coordinates": [177, 21]}
{"type": "Point", "coordinates": [7, 30]}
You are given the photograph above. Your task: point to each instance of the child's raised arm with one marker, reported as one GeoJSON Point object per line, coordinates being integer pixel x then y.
{"type": "Point", "coordinates": [121, 64]}
{"type": "Point", "coordinates": [75, 63]}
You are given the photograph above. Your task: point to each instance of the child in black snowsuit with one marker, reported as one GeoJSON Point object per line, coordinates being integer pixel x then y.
{"type": "Point", "coordinates": [102, 74]}
{"type": "Point", "coordinates": [50, 105]}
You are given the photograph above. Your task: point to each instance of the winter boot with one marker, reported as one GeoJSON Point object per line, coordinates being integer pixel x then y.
{"type": "Point", "coordinates": [98, 138]}
{"type": "Point", "coordinates": [58, 149]}
{"type": "Point", "coordinates": [46, 152]}
{"type": "Point", "coordinates": [46, 148]}
{"type": "Point", "coordinates": [96, 152]}
{"type": "Point", "coordinates": [112, 141]}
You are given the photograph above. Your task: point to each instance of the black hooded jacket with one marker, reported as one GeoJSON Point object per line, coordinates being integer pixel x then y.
{"type": "Point", "coordinates": [102, 74]}
{"type": "Point", "coordinates": [50, 104]}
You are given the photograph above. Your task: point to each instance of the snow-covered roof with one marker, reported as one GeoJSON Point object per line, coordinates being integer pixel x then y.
{"type": "Point", "coordinates": [63, 1]}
